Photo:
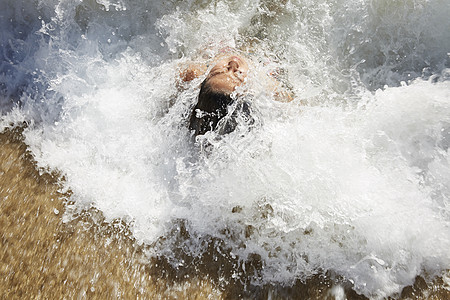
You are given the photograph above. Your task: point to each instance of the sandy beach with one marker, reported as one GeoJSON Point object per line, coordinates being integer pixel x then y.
{"type": "Point", "coordinates": [41, 257]}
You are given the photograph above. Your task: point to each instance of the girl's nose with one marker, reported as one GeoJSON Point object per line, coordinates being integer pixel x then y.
{"type": "Point", "coordinates": [233, 66]}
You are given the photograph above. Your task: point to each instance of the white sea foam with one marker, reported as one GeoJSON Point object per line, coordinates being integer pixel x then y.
{"type": "Point", "coordinates": [347, 178]}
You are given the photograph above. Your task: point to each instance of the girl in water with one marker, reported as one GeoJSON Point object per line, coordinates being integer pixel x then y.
{"type": "Point", "coordinates": [229, 71]}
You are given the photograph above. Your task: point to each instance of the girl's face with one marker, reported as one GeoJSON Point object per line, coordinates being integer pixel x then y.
{"type": "Point", "coordinates": [227, 74]}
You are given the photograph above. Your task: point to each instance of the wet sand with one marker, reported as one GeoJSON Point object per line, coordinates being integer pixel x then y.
{"type": "Point", "coordinates": [43, 258]}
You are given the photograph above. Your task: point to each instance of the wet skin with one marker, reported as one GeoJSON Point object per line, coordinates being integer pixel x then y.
{"type": "Point", "coordinates": [227, 74]}
{"type": "Point", "coordinates": [214, 97]}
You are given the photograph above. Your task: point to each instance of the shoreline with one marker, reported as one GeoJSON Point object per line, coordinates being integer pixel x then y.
{"type": "Point", "coordinates": [42, 257]}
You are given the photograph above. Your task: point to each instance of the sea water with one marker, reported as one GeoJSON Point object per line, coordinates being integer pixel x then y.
{"type": "Point", "coordinates": [352, 177]}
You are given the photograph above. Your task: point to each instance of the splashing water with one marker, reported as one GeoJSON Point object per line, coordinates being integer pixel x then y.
{"type": "Point", "coordinates": [352, 177]}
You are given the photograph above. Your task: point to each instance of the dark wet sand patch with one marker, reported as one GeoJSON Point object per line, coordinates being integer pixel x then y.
{"type": "Point", "coordinates": [42, 257]}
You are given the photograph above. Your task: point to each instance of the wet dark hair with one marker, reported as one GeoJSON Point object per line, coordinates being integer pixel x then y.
{"type": "Point", "coordinates": [211, 108]}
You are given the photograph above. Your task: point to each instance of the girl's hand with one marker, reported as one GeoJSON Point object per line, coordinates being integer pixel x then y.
{"type": "Point", "coordinates": [191, 72]}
